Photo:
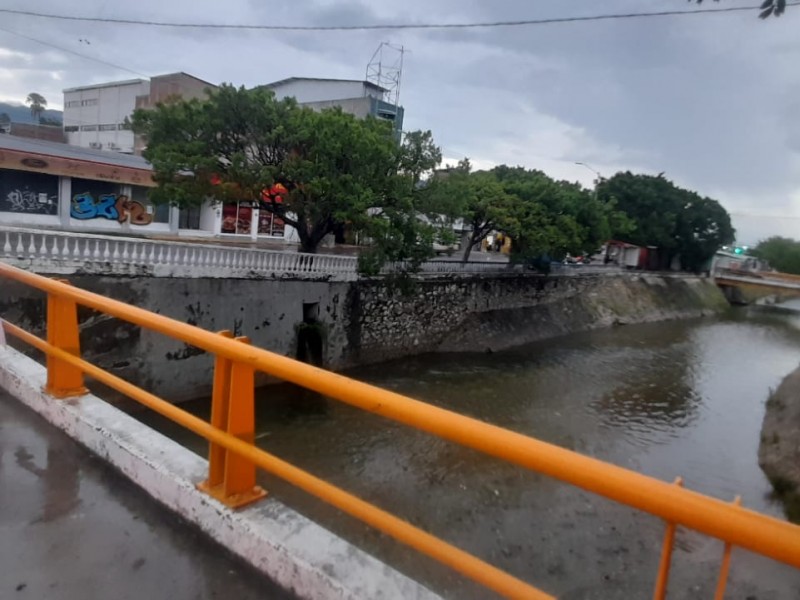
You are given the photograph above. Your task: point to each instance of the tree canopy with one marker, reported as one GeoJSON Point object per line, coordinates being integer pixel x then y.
{"type": "Point", "coordinates": [678, 221]}
{"type": "Point", "coordinates": [318, 171]}
{"type": "Point", "coordinates": [781, 253]}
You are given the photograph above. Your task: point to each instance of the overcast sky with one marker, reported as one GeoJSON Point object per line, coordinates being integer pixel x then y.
{"type": "Point", "coordinates": [713, 101]}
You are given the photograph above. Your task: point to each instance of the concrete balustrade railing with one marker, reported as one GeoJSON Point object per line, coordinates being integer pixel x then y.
{"type": "Point", "coordinates": [47, 249]}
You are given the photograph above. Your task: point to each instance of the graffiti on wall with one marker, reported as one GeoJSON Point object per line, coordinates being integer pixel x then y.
{"type": "Point", "coordinates": [109, 206]}
{"type": "Point", "coordinates": [31, 202]}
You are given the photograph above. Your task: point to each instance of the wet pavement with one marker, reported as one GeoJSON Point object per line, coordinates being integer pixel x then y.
{"type": "Point", "coordinates": [73, 528]}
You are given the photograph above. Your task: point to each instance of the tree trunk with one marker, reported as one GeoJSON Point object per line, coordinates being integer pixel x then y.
{"type": "Point", "coordinates": [468, 250]}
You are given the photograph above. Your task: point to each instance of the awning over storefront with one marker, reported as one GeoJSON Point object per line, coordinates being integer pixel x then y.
{"type": "Point", "coordinates": [23, 154]}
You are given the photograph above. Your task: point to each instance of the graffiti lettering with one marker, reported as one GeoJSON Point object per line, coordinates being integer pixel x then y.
{"type": "Point", "coordinates": [27, 201]}
{"type": "Point", "coordinates": [111, 207]}
{"type": "Point", "coordinates": [130, 209]}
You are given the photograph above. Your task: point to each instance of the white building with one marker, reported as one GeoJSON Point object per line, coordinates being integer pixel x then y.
{"type": "Point", "coordinates": [97, 116]}
{"type": "Point", "coordinates": [354, 96]}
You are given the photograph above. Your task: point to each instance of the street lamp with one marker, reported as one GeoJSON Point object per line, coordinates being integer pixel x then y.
{"type": "Point", "coordinates": [596, 172]}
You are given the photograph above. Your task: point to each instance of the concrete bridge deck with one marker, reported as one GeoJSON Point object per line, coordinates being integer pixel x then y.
{"type": "Point", "coordinates": [73, 528]}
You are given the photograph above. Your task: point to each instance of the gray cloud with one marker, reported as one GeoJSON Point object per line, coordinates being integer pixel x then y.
{"type": "Point", "coordinates": [712, 101]}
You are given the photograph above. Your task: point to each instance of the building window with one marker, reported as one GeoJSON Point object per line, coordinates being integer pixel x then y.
{"type": "Point", "coordinates": [89, 102]}
{"type": "Point", "coordinates": [160, 212]}
{"type": "Point", "coordinates": [237, 218]}
{"type": "Point", "coordinates": [30, 193]}
{"type": "Point", "coordinates": [72, 104]}
{"type": "Point", "coordinates": [111, 127]}
{"type": "Point", "coordinates": [189, 218]}
{"type": "Point", "coordinates": [88, 127]}
{"type": "Point", "coordinates": [71, 128]}
{"type": "Point", "coordinates": [124, 126]}
{"type": "Point", "coordinates": [270, 224]}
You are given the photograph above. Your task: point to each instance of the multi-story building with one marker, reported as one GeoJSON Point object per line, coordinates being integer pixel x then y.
{"type": "Point", "coordinates": [360, 98]}
{"type": "Point", "coordinates": [98, 116]}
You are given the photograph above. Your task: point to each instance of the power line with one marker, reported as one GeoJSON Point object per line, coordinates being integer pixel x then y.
{"type": "Point", "coordinates": [67, 50]}
{"type": "Point", "coordinates": [386, 26]}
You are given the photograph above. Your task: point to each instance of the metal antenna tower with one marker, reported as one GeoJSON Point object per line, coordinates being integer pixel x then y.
{"type": "Point", "coordinates": [386, 69]}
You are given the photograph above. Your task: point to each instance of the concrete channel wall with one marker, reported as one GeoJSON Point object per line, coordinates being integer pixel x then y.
{"type": "Point", "coordinates": [358, 322]}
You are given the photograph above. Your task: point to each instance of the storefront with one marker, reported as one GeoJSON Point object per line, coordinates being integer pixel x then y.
{"type": "Point", "coordinates": [49, 184]}
{"type": "Point", "coordinates": [248, 218]}
{"type": "Point", "coordinates": [54, 185]}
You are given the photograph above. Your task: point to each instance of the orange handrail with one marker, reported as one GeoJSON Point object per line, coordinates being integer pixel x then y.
{"type": "Point", "coordinates": [735, 525]}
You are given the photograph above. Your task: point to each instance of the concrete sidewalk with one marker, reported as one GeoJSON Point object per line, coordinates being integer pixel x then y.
{"type": "Point", "coordinates": [73, 528]}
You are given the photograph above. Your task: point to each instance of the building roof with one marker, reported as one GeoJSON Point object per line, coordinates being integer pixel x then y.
{"type": "Point", "coordinates": [97, 86]}
{"type": "Point", "coordinates": [281, 82]}
{"type": "Point", "coordinates": [184, 74]}
{"type": "Point", "coordinates": [77, 153]}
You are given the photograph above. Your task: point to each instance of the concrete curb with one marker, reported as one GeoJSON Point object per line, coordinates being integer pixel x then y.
{"type": "Point", "coordinates": [290, 549]}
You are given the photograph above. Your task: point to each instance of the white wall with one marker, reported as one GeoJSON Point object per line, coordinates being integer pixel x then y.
{"type": "Point", "coordinates": [102, 106]}
{"type": "Point", "coordinates": [320, 91]}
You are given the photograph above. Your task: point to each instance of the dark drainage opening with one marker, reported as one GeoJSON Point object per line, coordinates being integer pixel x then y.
{"type": "Point", "coordinates": [311, 336]}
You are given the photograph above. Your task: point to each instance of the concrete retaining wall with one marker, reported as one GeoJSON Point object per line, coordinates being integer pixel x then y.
{"type": "Point", "coordinates": [361, 322]}
{"type": "Point", "coordinates": [293, 551]}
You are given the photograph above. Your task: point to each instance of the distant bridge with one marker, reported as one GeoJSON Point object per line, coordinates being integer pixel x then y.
{"type": "Point", "coordinates": [744, 287]}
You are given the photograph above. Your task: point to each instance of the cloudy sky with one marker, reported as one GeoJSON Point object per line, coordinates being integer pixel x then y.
{"type": "Point", "coordinates": [713, 101]}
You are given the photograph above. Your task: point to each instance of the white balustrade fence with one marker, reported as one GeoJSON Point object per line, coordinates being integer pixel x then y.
{"type": "Point", "coordinates": [48, 248]}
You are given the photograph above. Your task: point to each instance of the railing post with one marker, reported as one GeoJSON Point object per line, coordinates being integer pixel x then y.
{"type": "Point", "coordinates": [666, 557]}
{"type": "Point", "coordinates": [231, 478]}
{"type": "Point", "coordinates": [726, 564]}
{"type": "Point", "coordinates": [63, 379]}
{"type": "Point", "coordinates": [220, 397]}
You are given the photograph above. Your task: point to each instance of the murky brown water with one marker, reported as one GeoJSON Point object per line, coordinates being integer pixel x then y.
{"type": "Point", "coordinates": [678, 398]}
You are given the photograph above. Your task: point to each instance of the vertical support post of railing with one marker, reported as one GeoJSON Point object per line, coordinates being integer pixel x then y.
{"type": "Point", "coordinates": [220, 397]}
{"type": "Point", "coordinates": [232, 478]}
{"type": "Point", "coordinates": [63, 379]}
{"type": "Point", "coordinates": [725, 567]}
{"type": "Point", "coordinates": [666, 557]}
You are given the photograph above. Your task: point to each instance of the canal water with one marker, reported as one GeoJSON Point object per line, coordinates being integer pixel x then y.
{"type": "Point", "coordinates": [680, 398]}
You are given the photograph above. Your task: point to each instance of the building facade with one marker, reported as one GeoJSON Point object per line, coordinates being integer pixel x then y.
{"type": "Point", "coordinates": [359, 98]}
{"type": "Point", "coordinates": [54, 185]}
{"type": "Point", "coordinates": [98, 116]}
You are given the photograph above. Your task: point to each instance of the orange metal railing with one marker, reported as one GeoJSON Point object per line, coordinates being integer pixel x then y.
{"type": "Point", "coordinates": [233, 458]}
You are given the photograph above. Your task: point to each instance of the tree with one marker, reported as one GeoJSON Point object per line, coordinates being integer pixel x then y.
{"type": "Point", "coordinates": [318, 171]}
{"type": "Point", "coordinates": [556, 217]}
{"type": "Point", "coordinates": [677, 221]}
{"type": "Point", "coordinates": [781, 253]}
{"type": "Point", "coordinates": [475, 198]}
{"type": "Point", "coordinates": [37, 103]}
{"type": "Point", "coordinates": [768, 8]}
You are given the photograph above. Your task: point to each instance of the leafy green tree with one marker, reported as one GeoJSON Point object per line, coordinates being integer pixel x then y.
{"type": "Point", "coordinates": [37, 103]}
{"type": "Point", "coordinates": [677, 221]}
{"type": "Point", "coordinates": [556, 217]}
{"type": "Point", "coordinates": [315, 170]}
{"type": "Point", "coordinates": [476, 199]}
{"type": "Point", "coordinates": [703, 227]}
{"type": "Point", "coordinates": [781, 253]}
